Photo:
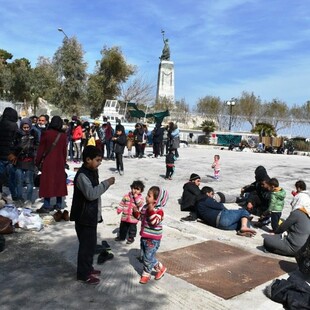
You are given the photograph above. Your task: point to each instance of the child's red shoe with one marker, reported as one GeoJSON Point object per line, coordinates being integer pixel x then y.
{"type": "Point", "coordinates": [145, 278]}
{"type": "Point", "coordinates": [160, 273]}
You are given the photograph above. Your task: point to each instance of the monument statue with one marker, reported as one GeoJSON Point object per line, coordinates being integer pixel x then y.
{"type": "Point", "coordinates": [165, 55]}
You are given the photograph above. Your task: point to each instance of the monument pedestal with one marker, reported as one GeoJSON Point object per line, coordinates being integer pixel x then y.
{"type": "Point", "coordinates": [165, 82]}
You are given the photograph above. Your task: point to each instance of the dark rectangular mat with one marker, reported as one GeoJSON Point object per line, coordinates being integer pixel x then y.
{"type": "Point", "coordinates": [222, 269]}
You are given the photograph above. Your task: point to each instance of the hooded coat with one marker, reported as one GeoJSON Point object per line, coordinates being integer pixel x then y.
{"type": "Point", "coordinates": [8, 130]}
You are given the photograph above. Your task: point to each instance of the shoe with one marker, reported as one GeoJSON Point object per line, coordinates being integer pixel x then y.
{"type": "Point", "coordinates": [95, 272]}
{"type": "Point", "coordinates": [121, 172]}
{"type": "Point", "coordinates": [130, 240]}
{"type": "Point", "coordinates": [116, 171]}
{"type": "Point", "coordinates": [145, 278]}
{"type": "Point", "coordinates": [57, 216]}
{"type": "Point", "coordinates": [160, 273]}
{"type": "Point", "coordinates": [119, 239]}
{"type": "Point", "coordinates": [188, 219]}
{"type": "Point", "coordinates": [65, 216]}
{"type": "Point", "coordinates": [104, 256]}
{"type": "Point", "coordinates": [45, 210]}
{"type": "Point", "coordinates": [91, 280]}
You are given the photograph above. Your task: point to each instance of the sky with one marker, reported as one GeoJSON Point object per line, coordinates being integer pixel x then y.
{"type": "Point", "coordinates": [219, 47]}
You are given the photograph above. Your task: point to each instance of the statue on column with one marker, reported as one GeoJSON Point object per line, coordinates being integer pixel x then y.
{"type": "Point", "coordinates": [165, 55]}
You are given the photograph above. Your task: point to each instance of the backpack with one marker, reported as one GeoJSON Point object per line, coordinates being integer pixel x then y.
{"type": "Point", "coordinates": [303, 258]}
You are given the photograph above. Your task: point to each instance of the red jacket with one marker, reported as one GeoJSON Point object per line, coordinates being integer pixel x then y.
{"type": "Point", "coordinates": [77, 133]}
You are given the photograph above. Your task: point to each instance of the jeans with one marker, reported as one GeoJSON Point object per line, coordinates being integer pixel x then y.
{"type": "Point", "coordinates": [231, 219]}
{"type": "Point", "coordinates": [119, 162]}
{"type": "Point", "coordinates": [47, 202]}
{"type": "Point", "coordinates": [77, 150]}
{"type": "Point", "coordinates": [7, 169]}
{"type": "Point", "coordinates": [21, 176]}
{"type": "Point", "coordinates": [149, 248]}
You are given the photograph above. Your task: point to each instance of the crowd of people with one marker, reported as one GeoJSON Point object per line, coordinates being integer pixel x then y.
{"type": "Point", "coordinates": [46, 145]}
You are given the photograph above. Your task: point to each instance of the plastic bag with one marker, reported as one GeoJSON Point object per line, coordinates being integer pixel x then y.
{"type": "Point", "coordinates": [31, 221]}
{"type": "Point", "coordinates": [10, 212]}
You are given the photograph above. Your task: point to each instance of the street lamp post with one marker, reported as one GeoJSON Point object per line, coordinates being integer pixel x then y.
{"type": "Point", "coordinates": [230, 103]}
{"type": "Point", "coordinates": [61, 30]}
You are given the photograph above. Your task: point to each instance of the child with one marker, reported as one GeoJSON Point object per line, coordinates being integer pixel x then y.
{"type": "Point", "coordinates": [151, 216]}
{"type": "Point", "coordinates": [191, 191]}
{"type": "Point", "coordinates": [301, 196]}
{"type": "Point", "coordinates": [276, 204]}
{"type": "Point", "coordinates": [119, 140]}
{"type": "Point", "coordinates": [128, 221]}
{"type": "Point", "coordinates": [216, 167]}
{"type": "Point", "coordinates": [130, 143]}
{"type": "Point", "coordinates": [170, 159]}
{"type": "Point", "coordinates": [86, 212]}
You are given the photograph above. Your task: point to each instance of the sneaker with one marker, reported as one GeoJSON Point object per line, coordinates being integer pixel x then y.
{"type": "Point", "coordinates": [145, 278]}
{"type": "Point", "coordinates": [160, 273]}
{"type": "Point", "coordinates": [121, 172]}
{"type": "Point", "coordinates": [130, 240]}
{"type": "Point", "coordinates": [65, 216]}
{"type": "Point", "coordinates": [116, 171]}
{"type": "Point", "coordinates": [95, 272]}
{"type": "Point", "coordinates": [91, 280]}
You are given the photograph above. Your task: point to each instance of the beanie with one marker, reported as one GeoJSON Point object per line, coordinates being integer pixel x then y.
{"type": "Point", "coordinates": [194, 177]}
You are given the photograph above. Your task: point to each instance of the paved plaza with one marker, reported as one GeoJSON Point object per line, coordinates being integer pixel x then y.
{"type": "Point", "coordinates": [38, 268]}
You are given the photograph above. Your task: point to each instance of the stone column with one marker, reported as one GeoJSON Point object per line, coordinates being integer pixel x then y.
{"type": "Point", "coordinates": [165, 82]}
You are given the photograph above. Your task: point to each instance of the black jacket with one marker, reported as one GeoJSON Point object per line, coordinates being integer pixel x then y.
{"type": "Point", "coordinates": [84, 211]}
{"type": "Point", "coordinates": [189, 197]}
{"type": "Point", "coordinates": [8, 129]}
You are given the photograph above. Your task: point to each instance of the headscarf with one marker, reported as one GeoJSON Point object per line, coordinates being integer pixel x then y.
{"type": "Point", "coordinates": [25, 121]}
{"type": "Point", "coordinates": [56, 123]}
{"type": "Point", "coordinates": [162, 198]}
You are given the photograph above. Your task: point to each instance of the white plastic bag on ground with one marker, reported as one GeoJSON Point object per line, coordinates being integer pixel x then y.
{"type": "Point", "coordinates": [31, 221]}
{"type": "Point", "coordinates": [11, 212]}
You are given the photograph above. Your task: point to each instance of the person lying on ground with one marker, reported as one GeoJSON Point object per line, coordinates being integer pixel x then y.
{"type": "Point", "coordinates": [215, 214]}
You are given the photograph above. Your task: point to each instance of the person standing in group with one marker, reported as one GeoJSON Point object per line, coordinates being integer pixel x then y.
{"type": "Point", "coordinates": [8, 131]}
{"type": "Point", "coordinates": [85, 135]}
{"type": "Point", "coordinates": [42, 125]}
{"type": "Point", "coordinates": [216, 167]}
{"type": "Point", "coordinates": [151, 216]}
{"type": "Point", "coordinates": [128, 222]}
{"type": "Point", "coordinates": [51, 156]}
{"type": "Point", "coordinates": [26, 144]}
{"type": "Point", "coordinates": [86, 212]}
{"type": "Point", "coordinates": [130, 143]}
{"type": "Point", "coordinates": [174, 138]}
{"type": "Point", "coordinates": [138, 133]}
{"type": "Point", "coordinates": [170, 159]}
{"type": "Point", "coordinates": [157, 134]}
{"type": "Point", "coordinates": [77, 134]}
{"type": "Point", "coordinates": [119, 140]}
{"type": "Point", "coordinates": [109, 133]}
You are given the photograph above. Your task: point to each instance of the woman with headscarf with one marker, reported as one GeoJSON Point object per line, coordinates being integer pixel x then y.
{"type": "Point", "coordinates": [26, 143]}
{"type": "Point", "coordinates": [53, 152]}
